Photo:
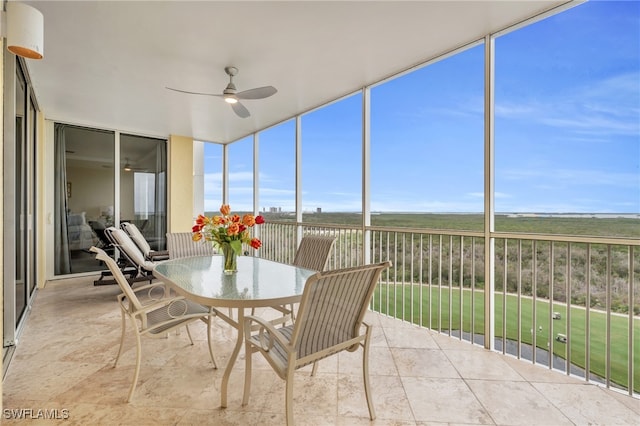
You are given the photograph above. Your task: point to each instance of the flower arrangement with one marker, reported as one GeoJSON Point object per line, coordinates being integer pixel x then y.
{"type": "Point", "coordinates": [227, 230]}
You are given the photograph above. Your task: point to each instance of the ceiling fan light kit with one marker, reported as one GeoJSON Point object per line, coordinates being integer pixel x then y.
{"type": "Point", "coordinates": [231, 95]}
{"type": "Point", "coordinates": [230, 99]}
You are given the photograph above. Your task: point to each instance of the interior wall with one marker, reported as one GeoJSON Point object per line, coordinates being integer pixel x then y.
{"type": "Point", "coordinates": [88, 189]}
{"type": "Point", "coordinates": [180, 177]}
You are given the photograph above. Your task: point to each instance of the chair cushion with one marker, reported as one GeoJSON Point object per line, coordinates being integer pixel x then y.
{"type": "Point", "coordinates": [132, 250]}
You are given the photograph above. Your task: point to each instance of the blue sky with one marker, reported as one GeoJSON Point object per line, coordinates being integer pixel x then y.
{"type": "Point", "coordinates": [567, 130]}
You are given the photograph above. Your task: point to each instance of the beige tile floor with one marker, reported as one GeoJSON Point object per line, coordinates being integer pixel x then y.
{"type": "Point", "coordinates": [64, 362]}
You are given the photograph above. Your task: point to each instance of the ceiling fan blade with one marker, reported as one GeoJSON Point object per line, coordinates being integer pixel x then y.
{"type": "Point", "coordinates": [193, 93]}
{"type": "Point", "coordinates": [240, 110]}
{"type": "Point", "coordinates": [257, 93]}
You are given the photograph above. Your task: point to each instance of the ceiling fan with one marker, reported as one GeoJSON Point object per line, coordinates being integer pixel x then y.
{"type": "Point", "coordinates": [231, 95]}
{"type": "Point", "coordinates": [127, 167]}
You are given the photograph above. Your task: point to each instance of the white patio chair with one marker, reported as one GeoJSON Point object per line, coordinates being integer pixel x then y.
{"type": "Point", "coordinates": [312, 253]}
{"type": "Point", "coordinates": [330, 320]}
{"type": "Point", "coordinates": [181, 244]}
{"type": "Point", "coordinates": [153, 255]}
{"type": "Point", "coordinates": [155, 314]}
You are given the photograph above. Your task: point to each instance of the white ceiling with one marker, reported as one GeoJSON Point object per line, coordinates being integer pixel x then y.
{"type": "Point", "coordinates": [107, 63]}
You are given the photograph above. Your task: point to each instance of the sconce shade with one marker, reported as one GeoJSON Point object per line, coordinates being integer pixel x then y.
{"type": "Point", "coordinates": [25, 30]}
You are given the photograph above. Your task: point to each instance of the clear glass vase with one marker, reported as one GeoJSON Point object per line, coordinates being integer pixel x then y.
{"type": "Point", "coordinates": [230, 259]}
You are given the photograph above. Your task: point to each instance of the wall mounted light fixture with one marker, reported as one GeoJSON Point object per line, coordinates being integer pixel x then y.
{"type": "Point", "coordinates": [24, 29]}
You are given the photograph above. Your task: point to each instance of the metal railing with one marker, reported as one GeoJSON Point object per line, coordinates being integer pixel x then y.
{"type": "Point", "coordinates": [568, 303]}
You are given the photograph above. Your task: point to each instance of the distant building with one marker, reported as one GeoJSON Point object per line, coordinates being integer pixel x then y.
{"type": "Point", "coordinates": [319, 210]}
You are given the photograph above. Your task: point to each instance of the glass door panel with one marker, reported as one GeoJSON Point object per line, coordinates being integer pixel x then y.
{"type": "Point", "coordinates": [143, 200]}
{"type": "Point", "coordinates": [85, 194]}
{"type": "Point", "coordinates": [31, 207]}
{"type": "Point", "coordinates": [21, 214]}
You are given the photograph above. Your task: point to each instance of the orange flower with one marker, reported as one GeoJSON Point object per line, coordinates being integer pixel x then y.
{"type": "Point", "coordinates": [235, 218]}
{"type": "Point", "coordinates": [225, 209]}
{"type": "Point", "coordinates": [248, 220]}
{"type": "Point", "coordinates": [196, 237]}
{"type": "Point", "coordinates": [233, 229]}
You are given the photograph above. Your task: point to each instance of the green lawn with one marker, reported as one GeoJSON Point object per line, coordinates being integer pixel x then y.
{"type": "Point", "coordinates": [398, 301]}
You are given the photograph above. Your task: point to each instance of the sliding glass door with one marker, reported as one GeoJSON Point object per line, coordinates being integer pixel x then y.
{"type": "Point", "coordinates": [19, 199]}
{"type": "Point", "coordinates": [103, 178]}
{"type": "Point", "coordinates": [84, 195]}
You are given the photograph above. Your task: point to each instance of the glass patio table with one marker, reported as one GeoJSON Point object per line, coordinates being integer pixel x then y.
{"type": "Point", "coordinates": [257, 283]}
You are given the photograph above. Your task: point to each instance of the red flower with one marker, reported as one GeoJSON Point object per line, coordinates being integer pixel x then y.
{"type": "Point", "coordinates": [259, 220]}
{"type": "Point", "coordinates": [255, 243]}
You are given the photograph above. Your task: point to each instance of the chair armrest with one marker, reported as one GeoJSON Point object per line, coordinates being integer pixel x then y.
{"type": "Point", "coordinates": [267, 333]}
{"type": "Point", "coordinates": [159, 304]}
{"type": "Point", "coordinates": [155, 304]}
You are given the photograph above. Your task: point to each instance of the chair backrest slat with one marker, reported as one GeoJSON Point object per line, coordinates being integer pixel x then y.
{"type": "Point", "coordinates": [181, 244]}
{"type": "Point", "coordinates": [333, 306]}
{"type": "Point", "coordinates": [313, 252]}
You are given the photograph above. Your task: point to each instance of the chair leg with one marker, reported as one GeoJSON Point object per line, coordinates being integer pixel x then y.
{"type": "Point", "coordinates": [137, 371]}
{"type": "Point", "coordinates": [365, 374]}
{"type": "Point", "coordinates": [124, 328]}
{"type": "Point", "coordinates": [289, 395]}
{"type": "Point", "coordinates": [314, 369]}
{"type": "Point", "coordinates": [189, 333]}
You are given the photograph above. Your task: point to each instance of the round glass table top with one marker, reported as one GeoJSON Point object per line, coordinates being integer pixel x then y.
{"type": "Point", "coordinates": [258, 282]}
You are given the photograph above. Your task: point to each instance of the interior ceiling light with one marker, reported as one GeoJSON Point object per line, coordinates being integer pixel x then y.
{"type": "Point", "coordinates": [24, 30]}
{"type": "Point", "coordinates": [127, 166]}
{"type": "Point", "coordinates": [230, 99]}
{"type": "Point", "coordinates": [229, 93]}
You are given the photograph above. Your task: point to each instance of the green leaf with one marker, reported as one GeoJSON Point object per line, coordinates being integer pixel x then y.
{"type": "Point", "coordinates": [236, 245]}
